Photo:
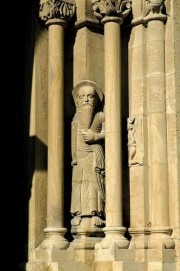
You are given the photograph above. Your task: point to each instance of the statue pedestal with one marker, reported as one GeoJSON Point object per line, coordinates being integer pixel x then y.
{"type": "Point", "coordinates": [86, 234]}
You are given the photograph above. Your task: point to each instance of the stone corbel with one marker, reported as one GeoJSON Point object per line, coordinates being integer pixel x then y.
{"type": "Point", "coordinates": [152, 10]}
{"type": "Point", "coordinates": [56, 10]}
{"type": "Point", "coordinates": [107, 8]}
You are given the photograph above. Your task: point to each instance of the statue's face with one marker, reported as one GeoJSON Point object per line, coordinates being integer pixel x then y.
{"type": "Point", "coordinates": [86, 96]}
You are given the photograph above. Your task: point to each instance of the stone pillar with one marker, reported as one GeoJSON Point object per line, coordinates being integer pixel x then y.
{"type": "Point", "coordinates": [137, 138]}
{"type": "Point", "coordinates": [111, 13]}
{"type": "Point", "coordinates": [113, 122]}
{"type": "Point", "coordinates": [173, 118]}
{"type": "Point", "coordinates": [157, 127]}
{"type": "Point", "coordinates": [56, 14]}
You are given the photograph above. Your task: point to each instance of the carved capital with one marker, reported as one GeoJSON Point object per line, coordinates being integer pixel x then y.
{"type": "Point", "coordinates": [153, 6]}
{"type": "Point", "coordinates": [56, 9]}
{"type": "Point", "coordinates": [116, 8]}
{"type": "Point", "coordinates": [152, 10]}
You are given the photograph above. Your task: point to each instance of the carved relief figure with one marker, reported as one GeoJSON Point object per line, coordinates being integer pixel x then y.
{"type": "Point", "coordinates": [131, 140]}
{"type": "Point", "coordinates": [135, 139]}
{"type": "Point", "coordinates": [88, 195]}
{"type": "Point", "coordinates": [154, 6]}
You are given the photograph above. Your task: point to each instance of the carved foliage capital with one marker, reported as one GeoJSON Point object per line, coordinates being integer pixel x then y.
{"type": "Point", "coordinates": [153, 6]}
{"type": "Point", "coordinates": [120, 8]}
{"type": "Point", "coordinates": [56, 9]}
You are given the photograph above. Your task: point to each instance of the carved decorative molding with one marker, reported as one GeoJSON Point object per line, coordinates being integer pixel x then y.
{"type": "Point", "coordinates": [118, 8]}
{"type": "Point", "coordinates": [56, 9]}
{"type": "Point", "coordinates": [154, 6]}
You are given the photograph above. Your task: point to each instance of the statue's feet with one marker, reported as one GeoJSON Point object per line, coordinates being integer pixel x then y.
{"type": "Point", "coordinates": [97, 221]}
{"type": "Point", "coordinates": [76, 221]}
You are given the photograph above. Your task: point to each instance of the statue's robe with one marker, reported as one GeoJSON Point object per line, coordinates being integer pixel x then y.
{"type": "Point", "coordinates": [88, 195]}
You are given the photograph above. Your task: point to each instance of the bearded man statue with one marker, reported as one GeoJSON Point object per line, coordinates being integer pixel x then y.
{"type": "Point", "coordinates": [88, 174]}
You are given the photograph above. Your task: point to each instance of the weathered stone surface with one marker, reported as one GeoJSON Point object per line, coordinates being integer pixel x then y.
{"type": "Point", "coordinates": [148, 174]}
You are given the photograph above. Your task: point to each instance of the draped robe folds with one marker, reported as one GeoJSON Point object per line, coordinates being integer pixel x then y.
{"type": "Point", "coordinates": [88, 195]}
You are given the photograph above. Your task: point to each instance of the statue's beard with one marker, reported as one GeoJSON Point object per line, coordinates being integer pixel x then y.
{"type": "Point", "coordinates": [86, 114]}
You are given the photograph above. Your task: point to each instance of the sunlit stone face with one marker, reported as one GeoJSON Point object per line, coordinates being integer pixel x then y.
{"type": "Point", "coordinates": [86, 96]}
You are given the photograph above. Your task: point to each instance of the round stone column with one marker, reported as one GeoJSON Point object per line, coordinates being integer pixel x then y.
{"type": "Point", "coordinates": [55, 193]}
{"type": "Point", "coordinates": [114, 229]}
{"type": "Point", "coordinates": [55, 21]}
{"type": "Point", "coordinates": [157, 129]}
{"type": "Point", "coordinates": [111, 14]}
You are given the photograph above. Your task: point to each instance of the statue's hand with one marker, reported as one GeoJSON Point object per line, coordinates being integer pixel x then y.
{"type": "Point", "coordinates": [89, 136]}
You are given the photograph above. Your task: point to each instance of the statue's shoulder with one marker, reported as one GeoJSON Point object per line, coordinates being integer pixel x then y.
{"type": "Point", "coordinates": [101, 116]}
{"type": "Point", "coordinates": [75, 118]}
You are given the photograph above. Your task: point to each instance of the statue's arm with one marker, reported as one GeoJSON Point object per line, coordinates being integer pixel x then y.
{"type": "Point", "coordinates": [101, 135]}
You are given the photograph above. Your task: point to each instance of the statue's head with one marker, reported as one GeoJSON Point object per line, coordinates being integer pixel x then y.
{"type": "Point", "coordinates": [87, 92]}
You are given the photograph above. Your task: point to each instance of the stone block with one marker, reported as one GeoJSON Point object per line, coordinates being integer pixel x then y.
{"type": "Point", "coordinates": [178, 266]}
{"type": "Point", "coordinates": [83, 255]}
{"type": "Point", "coordinates": [114, 254]}
{"type": "Point", "coordinates": [140, 255]}
{"type": "Point", "coordinates": [158, 255]}
{"type": "Point", "coordinates": [160, 266]}
{"type": "Point", "coordinates": [128, 266]}
{"type": "Point", "coordinates": [37, 266]}
{"type": "Point", "coordinates": [54, 255]}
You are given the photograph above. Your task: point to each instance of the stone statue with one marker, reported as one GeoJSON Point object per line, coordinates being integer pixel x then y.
{"type": "Point", "coordinates": [135, 141]}
{"type": "Point", "coordinates": [131, 140]}
{"type": "Point", "coordinates": [88, 195]}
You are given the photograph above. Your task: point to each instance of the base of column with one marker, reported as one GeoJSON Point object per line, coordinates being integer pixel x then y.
{"type": "Point", "coordinates": [139, 237]}
{"type": "Point", "coordinates": [114, 239]}
{"type": "Point", "coordinates": [160, 238]}
{"type": "Point", "coordinates": [114, 246]}
{"type": "Point", "coordinates": [54, 238]}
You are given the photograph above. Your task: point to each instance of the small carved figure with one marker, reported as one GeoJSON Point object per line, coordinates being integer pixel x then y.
{"type": "Point", "coordinates": [154, 6]}
{"type": "Point", "coordinates": [135, 141]}
{"type": "Point", "coordinates": [88, 195]}
{"type": "Point", "coordinates": [131, 139]}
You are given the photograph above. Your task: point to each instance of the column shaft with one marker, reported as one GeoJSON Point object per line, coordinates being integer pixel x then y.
{"type": "Point", "coordinates": [157, 124]}
{"type": "Point", "coordinates": [113, 125]}
{"type": "Point", "coordinates": [157, 130]}
{"type": "Point", "coordinates": [55, 127]}
{"type": "Point", "coordinates": [55, 14]}
{"type": "Point", "coordinates": [113, 153]}
{"type": "Point", "coordinates": [55, 183]}
{"type": "Point", "coordinates": [137, 145]}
